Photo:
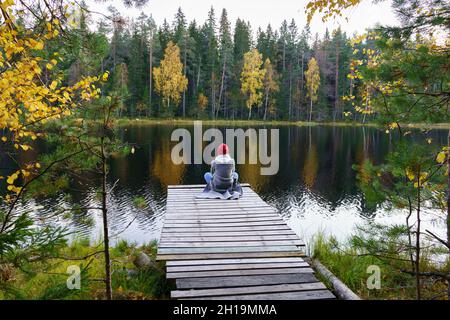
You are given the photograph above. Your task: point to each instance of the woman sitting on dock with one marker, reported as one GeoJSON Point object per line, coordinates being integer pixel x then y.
{"type": "Point", "coordinates": [222, 180]}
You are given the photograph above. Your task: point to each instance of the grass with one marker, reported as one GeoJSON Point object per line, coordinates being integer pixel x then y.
{"type": "Point", "coordinates": [49, 282]}
{"type": "Point", "coordinates": [350, 265]}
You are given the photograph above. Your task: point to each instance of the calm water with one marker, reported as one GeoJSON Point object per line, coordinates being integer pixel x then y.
{"type": "Point", "coordinates": [315, 188]}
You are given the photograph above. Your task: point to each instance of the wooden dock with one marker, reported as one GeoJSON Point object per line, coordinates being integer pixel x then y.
{"type": "Point", "coordinates": [236, 249]}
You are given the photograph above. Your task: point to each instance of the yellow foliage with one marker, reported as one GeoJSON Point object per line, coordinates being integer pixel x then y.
{"type": "Point", "coordinates": [202, 101]}
{"type": "Point", "coordinates": [328, 8]}
{"type": "Point", "coordinates": [170, 81]}
{"type": "Point", "coordinates": [252, 77]}
{"type": "Point", "coordinates": [441, 157]}
{"type": "Point", "coordinates": [312, 76]}
{"type": "Point", "coordinates": [25, 99]}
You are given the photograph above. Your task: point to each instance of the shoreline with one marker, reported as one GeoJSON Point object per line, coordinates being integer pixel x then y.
{"type": "Point", "coordinates": [156, 121]}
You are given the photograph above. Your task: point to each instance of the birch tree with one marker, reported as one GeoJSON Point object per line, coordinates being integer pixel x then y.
{"type": "Point", "coordinates": [312, 76]}
{"type": "Point", "coordinates": [170, 81]}
{"type": "Point", "coordinates": [252, 77]}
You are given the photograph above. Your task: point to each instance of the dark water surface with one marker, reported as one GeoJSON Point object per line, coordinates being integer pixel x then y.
{"type": "Point", "coordinates": [315, 188]}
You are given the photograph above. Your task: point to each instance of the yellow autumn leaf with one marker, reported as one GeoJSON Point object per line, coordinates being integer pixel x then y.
{"type": "Point", "coordinates": [410, 175]}
{"type": "Point", "coordinates": [441, 157]}
{"type": "Point", "coordinates": [12, 178]}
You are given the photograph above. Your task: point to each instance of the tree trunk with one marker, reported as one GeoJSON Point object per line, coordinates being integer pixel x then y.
{"type": "Point", "coordinates": [213, 96]}
{"type": "Point", "coordinates": [301, 80]}
{"type": "Point", "coordinates": [266, 104]}
{"type": "Point", "coordinates": [448, 191]}
{"type": "Point", "coordinates": [290, 92]}
{"type": "Point", "coordinates": [221, 86]}
{"type": "Point", "coordinates": [105, 224]}
{"type": "Point", "coordinates": [150, 54]}
{"type": "Point", "coordinates": [418, 237]}
{"type": "Point", "coordinates": [198, 77]}
{"type": "Point", "coordinates": [249, 113]}
{"type": "Point", "coordinates": [336, 84]}
{"type": "Point", "coordinates": [448, 206]}
{"type": "Point", "coordinates": [310, 111]}
{"type": "Point", "coordinates": [184, 72]}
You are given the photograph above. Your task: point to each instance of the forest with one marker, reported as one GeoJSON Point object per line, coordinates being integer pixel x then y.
{"type": "Point", "coordinates": [211, 56]}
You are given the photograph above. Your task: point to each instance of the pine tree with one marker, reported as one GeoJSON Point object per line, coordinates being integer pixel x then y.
{"type": "Point", "coordinates": [225, 55]}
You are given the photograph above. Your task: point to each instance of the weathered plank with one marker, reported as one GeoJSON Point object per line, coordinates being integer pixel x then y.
{"type": "Point", "coordinates": [230, 233]}
{"type": "Point", "coordinates": [180, 238]}
{"type": "Point", "coordinates": [222, 244]}
{"type": "Point", "coordinates": [241, 281]}
{"type": "Point", "coordinates": [215, 221]}
{"type": "Point", "coordinates": [262, 254]}
{"type": "Point", "coordinates": [238, 266]}
{"type": "Point", "coordinates": [201, 224]}
{"type": "Point", "coordinates": [216, 229]}
{"type": "Point", "coordinates": [199, 186]}
{"type": "Point", "coordinates": [226, 250]}
{"type": "Point", "coordinates": [247, 290]}
{"type": "Point", "coordinates": [232, 261]}
{"type": "Point", "coordinates": [298, 295]}
{"type": "Point", "coordinates": [177, 217]}
{"type": "Point", "coordinates": [239, 272]}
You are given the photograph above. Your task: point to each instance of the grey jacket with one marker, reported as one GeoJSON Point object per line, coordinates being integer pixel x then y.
{"type": "Point", "coordinates": [222, 168]}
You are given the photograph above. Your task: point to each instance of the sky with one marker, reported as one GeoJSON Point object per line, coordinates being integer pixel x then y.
{"type": "Point", "coordinates": [260, 13]}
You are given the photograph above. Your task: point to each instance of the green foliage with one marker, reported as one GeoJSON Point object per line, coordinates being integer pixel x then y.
{"type": "Point", "coordinates": [140, 202]}
{"type": "Point", "coordinates": [349, 261]}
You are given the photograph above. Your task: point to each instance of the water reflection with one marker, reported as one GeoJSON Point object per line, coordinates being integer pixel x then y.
{"type": "Point", "coordinates": [314, 189]}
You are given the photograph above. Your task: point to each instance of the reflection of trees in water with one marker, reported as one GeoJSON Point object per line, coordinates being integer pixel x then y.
{"type": "Point", "coordinates": [162, 166]}
{"type": "Point", "coordinates": [314, 162]}
{"type": "Point", "coordinates": [311, 167]}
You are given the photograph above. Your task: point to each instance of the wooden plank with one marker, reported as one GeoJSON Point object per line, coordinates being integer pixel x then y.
{"type": "Point", "coordinates": [263, 254]}
{"type": "Point", "coordinates": [193, 200]}
{"type": "Point", "coordinates": [190, 186]}
{"type": "Point", "coordinates": [226, 250]}
{"type": "Point", "coordinates": [247, 290]}
{"type": "Point", "coordinates": [201, 224]}
{"type": "Point", "coordinates": [297, 295]}
{"type": "Point", "coordinates": [217, 207]}
{"type": "Point", "coordinates": [240, 281]}
{"type": "Point", "coordinates": [222, 244]}
{"type": "Point", "coordinates": [229, 233]}
{"type": "Point", "coordinates": [225, 221]}
{"type": "Point", "coordinates": [232, 261]}
{"type": "Point", "coordinates": [238, 266]}
{"type": "Point", "coordinates": [239, 272]}
{"type": "Point", "coordinates": [225, 211]}
{"type": "Point", "coordinates": [221, 238]}
{"type": "Point", "coordinates": [187, 192]}
{"type": "Point", "coordinates": [172, 216]}
{"type": "Point", "coordinates": [215, 229]}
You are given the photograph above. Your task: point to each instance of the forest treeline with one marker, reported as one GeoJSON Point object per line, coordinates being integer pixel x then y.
{"type": "Point", "coordinates": [212, 57]}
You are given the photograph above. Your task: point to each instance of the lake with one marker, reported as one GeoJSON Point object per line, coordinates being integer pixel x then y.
{"type": "Point", "coordinates": [315, 188]}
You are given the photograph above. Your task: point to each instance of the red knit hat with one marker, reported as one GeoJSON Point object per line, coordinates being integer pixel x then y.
{"type": "Point", "coordinates": [222, 149]}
